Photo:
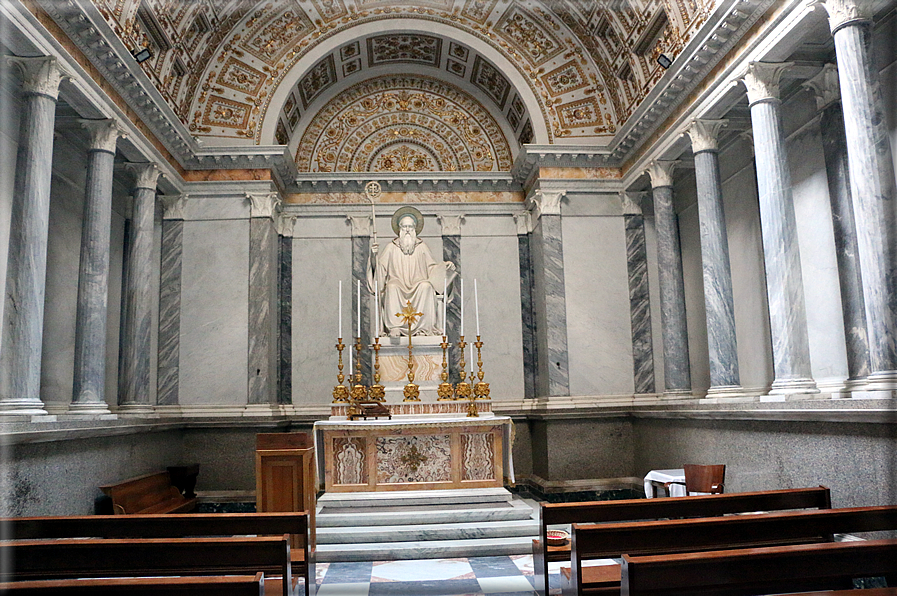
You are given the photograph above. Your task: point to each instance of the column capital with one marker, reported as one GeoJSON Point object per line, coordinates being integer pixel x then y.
{"type": "Point", "coordinates": [524, 221]}
{"type": "Point", "coordinates": [361, 225]}
{"type": "Point", "coordinates": [661, 172]}
{"type": "Point", "coordinates": [451, 224]}
{"type": "Point", "coordinates": [826, 86]}
{"type": "Point", "coordinates": [748, 136]}
{"type": "Point", "coordinates": [704, 134]}
{"type": "Point", "coordinates": [104, 134]}
{"type": "Point", "coordinates": [630, 202]}
{"type": "Point", "coordinates": [844, 12]}
{"type": "Point", "coordinates": [145, 174]}
{"type": "Point", "coordinates": [263, 205]}
{"type": "Point", "coordinates": [549, 202]}
{"type": "Point", "coordinates": [173, 206]}
{"type": "Point", "coordinates": [42, 74]}
{"type": "Point", "coordinates": [284, 224]}
{"type": "Point", "coordinates": [762, 80]}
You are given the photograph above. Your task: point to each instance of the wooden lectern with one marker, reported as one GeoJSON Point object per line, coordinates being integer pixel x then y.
{"type": "Point", "coordinates": [285, 475]}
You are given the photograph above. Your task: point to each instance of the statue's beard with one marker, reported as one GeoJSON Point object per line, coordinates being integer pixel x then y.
{"type": "Point", "coordinates": [407, 242]}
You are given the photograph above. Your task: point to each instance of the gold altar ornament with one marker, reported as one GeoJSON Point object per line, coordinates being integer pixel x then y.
{"type": "Point", "coordinates": [409, 317]}
{"type": "Point", "coordinates": [340, 391]}
{"type": "Point", "coordinates": [462, 389]}
{"type": "Point", "coordinates": [445, 391]}
{"type": "Point", "coordinates": [481, 389]}
{"type": "Point", "coordinates": [378, 392]}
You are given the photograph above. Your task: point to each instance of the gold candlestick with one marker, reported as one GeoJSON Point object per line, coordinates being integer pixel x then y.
{"type": "Point", "coordinates": [462, 389]}
{"type": "Point", "coordinates": [340, 392]}
{"type": "Point", "coordinates": [378, 392]}
{"type": "Point", "coordinates": [472, 411]}
{"type": "Point", "coordinates": [359, 391]}
{"type": "Point", "coordinates": [481, 389]}
{"type": "Point", "coordinates": [445, 391]}
{"type": "Point", "coordinates": [412, 391]}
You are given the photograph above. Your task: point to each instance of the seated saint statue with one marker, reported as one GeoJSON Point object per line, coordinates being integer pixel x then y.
{"type": "Point", "coordinates": [405, 271]}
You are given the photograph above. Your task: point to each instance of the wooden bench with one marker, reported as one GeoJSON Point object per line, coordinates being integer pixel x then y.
{"type": "Point", "coordinates": [602, 541]}
{"type": "Point", "coordinates": [72, 558]}
{"type": "Point", "coordinates": [766, 570]}
{"type": "Point", "coordinates": [231, 585]}
{"type": "Point", "coordinates": [645, 509]}
{"type": "Point", "coordinates": [176, 526]}
{"type": "Point", "coordinates": [151, 493]}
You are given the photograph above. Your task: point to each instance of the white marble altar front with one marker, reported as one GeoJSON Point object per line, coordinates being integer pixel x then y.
{"type": "Point", "coordinates": [414, 453]}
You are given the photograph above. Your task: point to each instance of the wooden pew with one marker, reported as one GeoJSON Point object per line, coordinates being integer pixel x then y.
{"type": "Point", "coordinates": [231, 585]}
{"type": "Point", "coordinates": [151, 493]}
{"type": "Point", "coordinates": [766, 570]}
{"type": "Point", "coordinates": [690, 535]}
{"type": "Point", "coordinates": [176, 526]}
{"type": "Point", "coordinates": [643, 509]}
{"type": "Point", "coordinates": [71, 558]}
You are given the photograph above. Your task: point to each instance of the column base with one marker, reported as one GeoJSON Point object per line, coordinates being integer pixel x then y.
{"type": "Point", "coordinates": [677, 394]}
{"type": "Point", "coordinates": [90, 408]}
{"type": "Point", "coordinates": [137, 411]}
{"type": "Point", "coordinates": [794, 388]}
{"type": "Point", "coordinates": [727, 393]}
{"type": "Point", "coordinates": [881, 381]}
{"type": "Point", "coordinates": [264, 410]}
{"type": "Point", "coordinates": [22, 407]}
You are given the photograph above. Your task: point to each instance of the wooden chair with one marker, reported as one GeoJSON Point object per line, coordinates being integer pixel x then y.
{"type": "Point", "coordinates": [704, 479]}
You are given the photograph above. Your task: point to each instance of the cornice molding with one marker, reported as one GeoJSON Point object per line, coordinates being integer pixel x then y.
{"type": "Point", "coordinates": [411, 181]}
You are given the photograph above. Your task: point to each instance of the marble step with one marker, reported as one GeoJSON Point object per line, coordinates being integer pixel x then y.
{"type": "Point", "coordinates": [418, 533]}
{"type": "Point", "coordinates": [414, 497]}
{"type": "Point", "coordinates": [430, 549]}
{"type": "Point", "coordinates": [436, 513]}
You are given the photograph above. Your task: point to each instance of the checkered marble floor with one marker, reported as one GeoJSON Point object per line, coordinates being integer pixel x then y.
{"type": "Point", "coordinates": [474, 576]}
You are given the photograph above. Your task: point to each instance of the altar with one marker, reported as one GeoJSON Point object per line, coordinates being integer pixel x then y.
{"type": "Point", "coordinates": [414, 453]}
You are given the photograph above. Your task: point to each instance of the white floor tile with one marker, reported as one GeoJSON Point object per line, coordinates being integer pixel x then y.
{"type": "Point", "coordinates": [504, 584]}
{"type": "Point", "coordinates": [359, 589]}
{"type": "Point", "coordinates": [432, 569]}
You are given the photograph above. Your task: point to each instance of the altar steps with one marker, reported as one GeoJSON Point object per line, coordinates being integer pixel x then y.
{"type": "Point", "coordinates": [423, 524]}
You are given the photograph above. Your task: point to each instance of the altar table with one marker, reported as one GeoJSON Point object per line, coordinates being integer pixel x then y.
{"type": "Point", "coordinates": [655, 477]}
{"type": "Point", "coordinates": [414, 453]}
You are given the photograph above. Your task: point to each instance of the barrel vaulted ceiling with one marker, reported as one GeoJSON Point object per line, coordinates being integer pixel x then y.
{"type": "Point", "coordinates": [480, 83]}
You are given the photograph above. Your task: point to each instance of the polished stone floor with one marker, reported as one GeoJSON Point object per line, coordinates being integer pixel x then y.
{"type": "Point", "coordinates": [474, 576]}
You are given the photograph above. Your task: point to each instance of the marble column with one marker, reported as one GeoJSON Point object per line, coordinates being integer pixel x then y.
{"type": "Point", "coordinates": [451, 252]}
{"type": "Point", "coordinates": [361, 253]}
{"type": "Point", "coordinates": [23, 320]}
{"type": "Point", "coordinates": [524, 235]}
{"type": "Point", "coordinates": [168, 378]}
{"type": "Point", "coordinates": [89, 387]}
{"type": "Point", "coordinates": [834, 147]}
{"type": "Point", "coordinates": [263, 249]}
{"type": "Point", "coordinates": [285, 309]}
{"type": "Point", "coordinates": [639, 297]}
{"type": "Point", "coordinates": [718, 301]}
{"type": "Point", "coordinates": [778, 224]}
{"type": "Point", "coordinates": [134, 373]}
{"type": "Point", "coordinates": [676, 366]}
{"type": "Point", "coordinates": [553, 377]}
{"type": "Point", "coordinates": [872, 183]}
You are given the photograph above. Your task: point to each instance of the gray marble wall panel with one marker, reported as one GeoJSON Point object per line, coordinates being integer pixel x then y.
{"type": "Point", "coordinates": [834, 145]}
{"type": "Point", "coordinates": [262, 284]}
{"type": "Point", "coordinates": [639, 305]}
{"type": "Point", "coordinates": [787, 309]}
{"type": "Point", "coordinates": [722, 345]}
{"type": "Point", "coordinates": [285, 319]}
{"type": "Point", "coordinates": [528, 320]}
{"type": "Point", "coordinates": [451, 252]}
{"type": "Point", "coordinates": [20, 366]}
{"type": "Point", "coordinates": [873, 188]}
{"type": "Point", "coordinates": [677, 372]}
{"type": "Point", "coordinates": [556, 358]}
{"type": "Point", "coordinates": [89, 385]}
{"type": "Point", "coordinates": [169, 312]}
{"type": "Point", "coordinates": [361, 251]}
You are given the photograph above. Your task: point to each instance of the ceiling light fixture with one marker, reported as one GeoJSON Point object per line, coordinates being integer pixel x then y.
{"type": "Point", "coordinates": [664, 61]}
{"type": "Point", "coordinates": [142, 55]}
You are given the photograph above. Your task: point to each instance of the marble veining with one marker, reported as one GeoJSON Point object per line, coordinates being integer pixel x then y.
{"type": "Point", "coordinates": [361, 250]}
{"type": "Point", "coordinates": [451, 252]}
{"type": "Point", "coordinates": [639, 304]}
{"type": "Point", "coordinates": [170, 311]}
{"type": "Point", "coordinates": [834, 146]}
{"type": "Point", "coordinates": [350, 460]}
{"type": "Point", "coordinates": [785, 294]}
{"type": "Point", "coordinates": [527, 316]}
{"type": "Point", "coordinates": [285, 320]}
{"type": "Point", "coordinates": [421, 458]}
{"type": "Point", "coordinates": [261, 280]}
{"type": "Point", "coordinates": [721, 342]}
{"type": "Point", "coordinates": [23, 315]}
{"type": "Point", "coordinates": [477, 456]}
{"type": "Point", "coordinates": [555, 305]}
{"type": "Point", "coordinates": [677, 370]}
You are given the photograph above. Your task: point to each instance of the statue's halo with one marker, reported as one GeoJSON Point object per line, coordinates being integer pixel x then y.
{"type": "Point", "coordinates": [402, 212]}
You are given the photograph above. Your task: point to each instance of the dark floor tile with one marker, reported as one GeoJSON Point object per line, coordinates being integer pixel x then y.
{"type": "Point", "coordinates": [501, 566]}
{"type": "Point", "coordinates": [348, 572]}
{"type": "Point", "coordinates": [450, 587]}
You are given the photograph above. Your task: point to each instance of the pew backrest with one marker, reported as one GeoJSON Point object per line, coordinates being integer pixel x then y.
{"type": "Point", "coordinates": [231, 585]}
{"type": "Point", "coordinates": [765, 570]}
{"type": "Point", "coordinates": [649, 509]}
{"type": "Point", "coordinates": [151, 493]}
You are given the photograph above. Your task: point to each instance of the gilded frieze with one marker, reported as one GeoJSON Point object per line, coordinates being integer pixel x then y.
{"type": "Point", "coordinates": [528, 36]}
{"type": "Point", "coordinates": [239, 76]}
{"type": "Point", "coordinates": [411, 49]}
{"type": "Point", "coordinates": [330, 9]}
{"type": "Point", "coordinates": [273, 33]}
{"type": "Point", "coordinates": [411, 197]}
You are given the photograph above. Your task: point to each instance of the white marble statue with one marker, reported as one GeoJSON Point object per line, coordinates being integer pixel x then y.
{"type": "Point", "coordinates": [405, 270]}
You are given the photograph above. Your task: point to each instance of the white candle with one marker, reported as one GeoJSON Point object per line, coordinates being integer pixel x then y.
{"type": "Point", "coordinates": [358, 302]}
{"type": "Point", "coordinates": [444, 300]}
{"type": "Point", "coordinates": [340, 303]}
{"type": "Point", "coordinates": [376, 309]}
{"type": "Point", "coordinates": [476, 304]}
{"type": "Point", "coordinates": [350, 365]}
{"type": "Point", "coordinates": [471, 360]}
{"type": "Point", "coordinates": [462, 306]}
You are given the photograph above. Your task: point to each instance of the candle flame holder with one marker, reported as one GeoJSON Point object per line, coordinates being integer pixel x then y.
{"type": "Point", "coordinates": [340, 391]}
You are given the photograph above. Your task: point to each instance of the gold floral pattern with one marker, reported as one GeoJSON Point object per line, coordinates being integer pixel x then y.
{"type": "Point", "coordinates": [239, 76]}
{"type": "Point", "coordinates": [276, 32]}
{"type": "Point", "coordinates": [584, 112]}
{"type": "Point", "coordinates": [564, 79]}
{"type": "Point", "coordinates": [528, 36]}
{"type": "Point", "coordinates": [416, 49]}
{"type": "Point", "coordinates": [226, 113]}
